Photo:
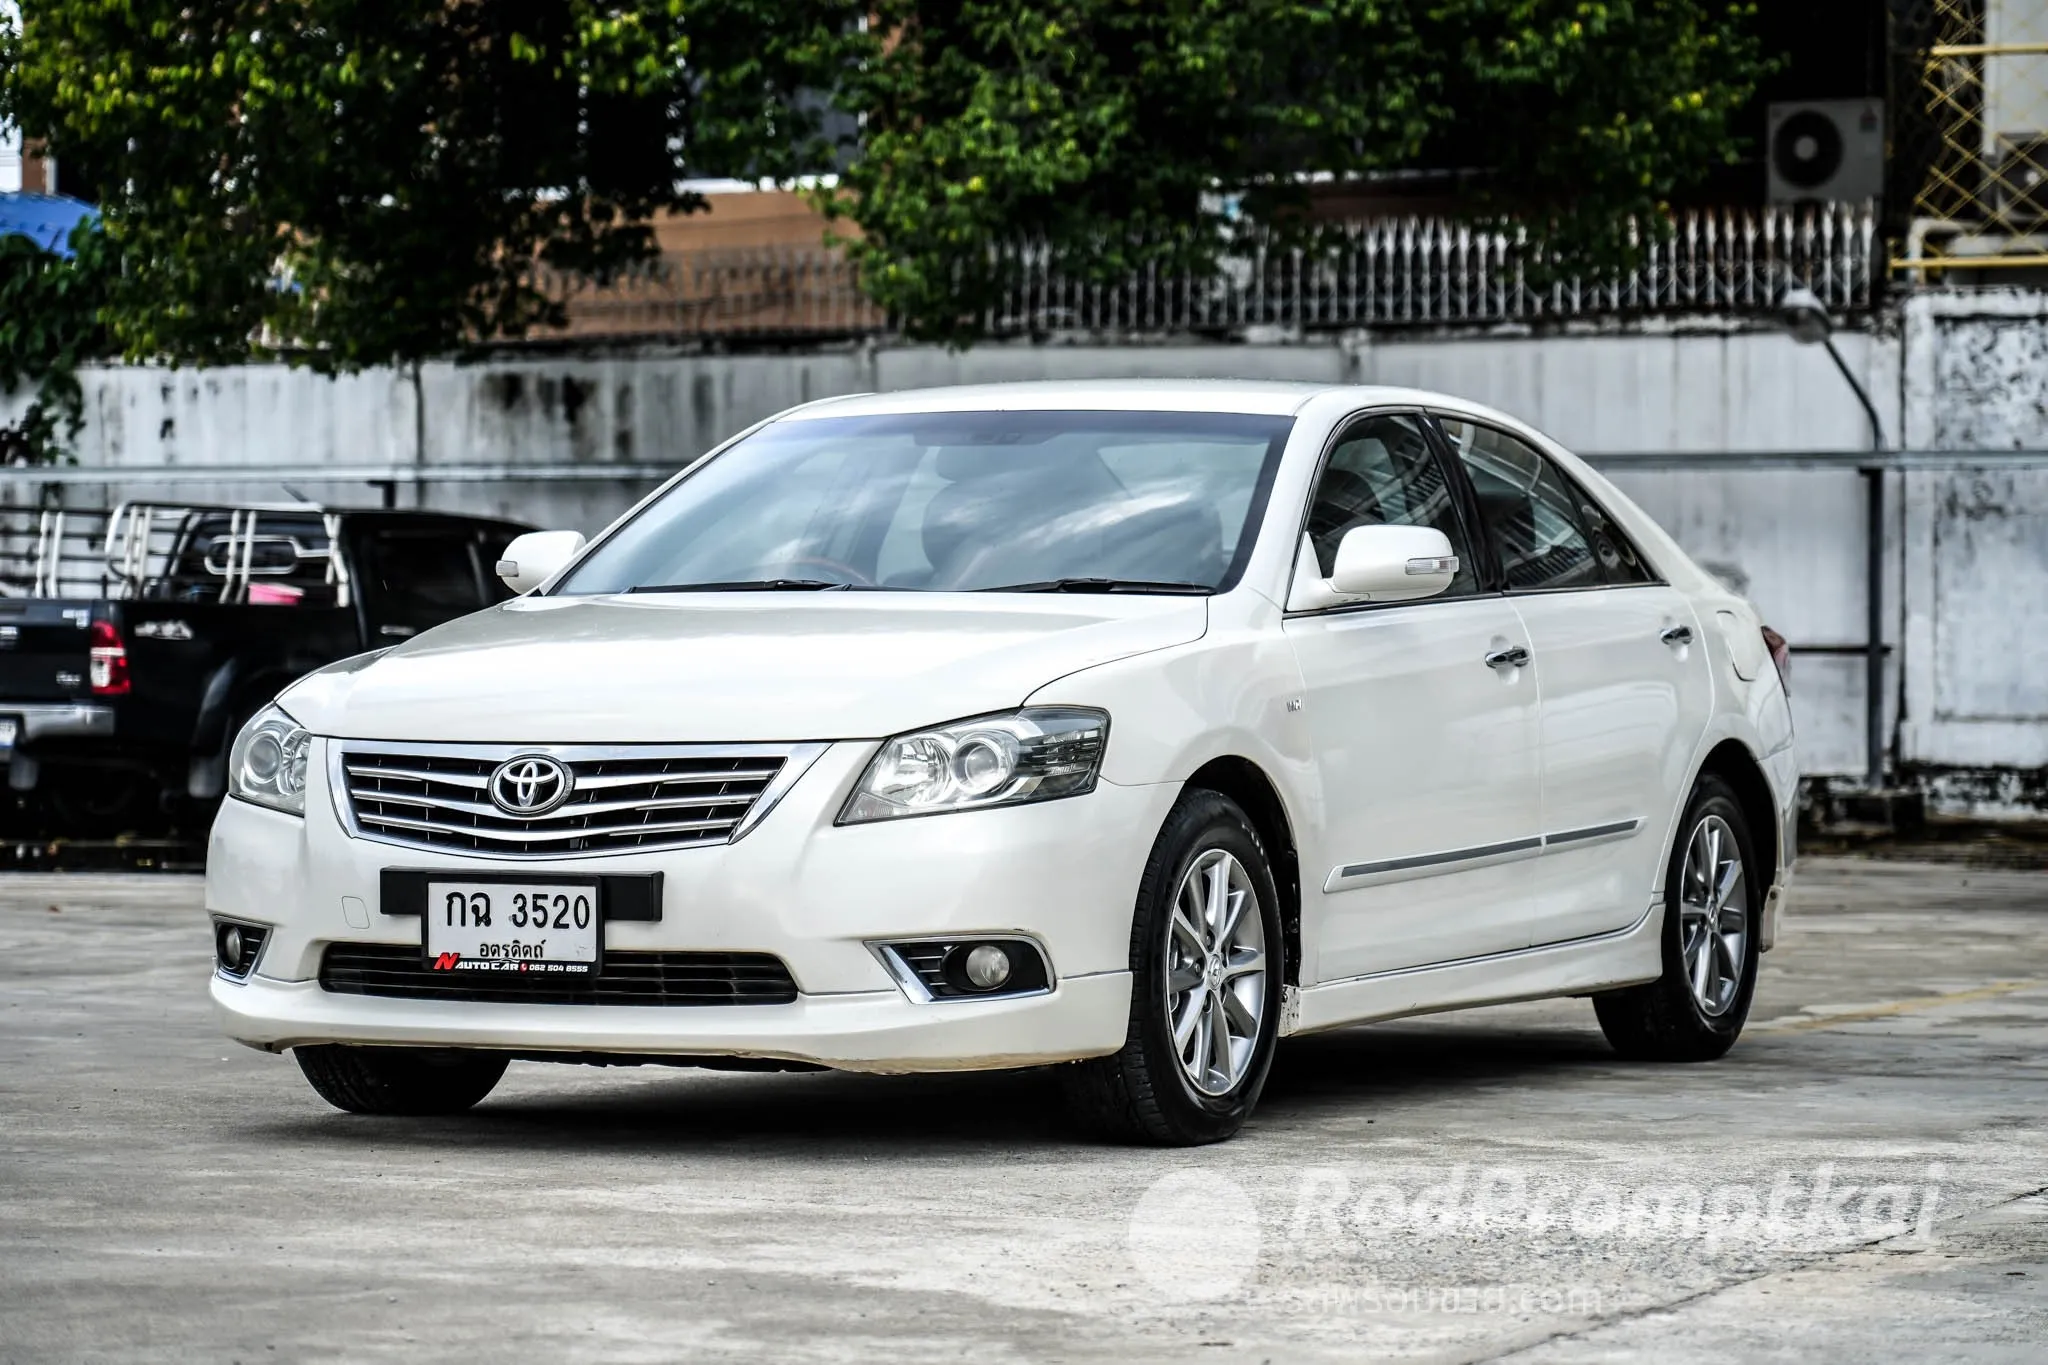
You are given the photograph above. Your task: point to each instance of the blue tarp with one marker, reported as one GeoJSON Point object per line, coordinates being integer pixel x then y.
{"type": "Point", "coordinates": [45, 219]}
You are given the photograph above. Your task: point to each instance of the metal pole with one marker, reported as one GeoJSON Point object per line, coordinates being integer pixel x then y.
{"type": "Point", "coordinates": [1873, 653]}
{"type": "Point", "coordinates": [1873, 584]}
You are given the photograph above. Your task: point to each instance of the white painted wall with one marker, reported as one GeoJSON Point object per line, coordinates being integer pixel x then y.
{"type": "Point", "coordinates": [1711, 392]}
{"type": "Point", "coordinates": [2015, 83]}
{"type": "Point", "coordinates": [1599, 394]}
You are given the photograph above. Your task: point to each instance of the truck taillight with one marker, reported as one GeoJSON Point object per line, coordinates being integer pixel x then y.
{"type": "Point", "coordinates": [109, 661]}
{"type": "Point", "coordinates": [1781, 657]}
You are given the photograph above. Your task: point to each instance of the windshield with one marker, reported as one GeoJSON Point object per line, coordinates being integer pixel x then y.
{"type": "Point", "coordinates": [951, 502]}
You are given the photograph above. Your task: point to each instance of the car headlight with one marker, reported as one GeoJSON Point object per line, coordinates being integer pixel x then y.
{"type": "Point", "coordinates": [268, 762]}
{"type": "Point", "coordinates": [1037, 754]}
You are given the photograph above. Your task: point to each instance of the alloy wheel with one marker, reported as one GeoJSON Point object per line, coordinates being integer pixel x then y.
{"type": "Point", "coordinates": [1216, 972]}
{"type": "Point", "coordinates": [1713, 916]}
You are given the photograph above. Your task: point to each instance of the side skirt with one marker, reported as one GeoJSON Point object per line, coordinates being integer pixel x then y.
{"type": "Point", "coordinates": [1623, 957]}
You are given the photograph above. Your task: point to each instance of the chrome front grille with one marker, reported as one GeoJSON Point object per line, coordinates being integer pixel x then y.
{"type": "Point", "coordinates": [622, 798]}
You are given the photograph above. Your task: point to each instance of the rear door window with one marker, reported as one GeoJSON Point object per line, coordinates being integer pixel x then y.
{"type": "Point", "coordinates": [1620, 563]}
{"type": "Point", "coordinates": [1530, 511]}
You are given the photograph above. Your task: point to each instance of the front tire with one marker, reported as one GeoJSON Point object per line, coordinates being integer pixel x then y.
{"type": "Point", "coordinates": [400, 1080]}
{"type": "Point", "coordinates": [1713, 894]}
{"type": "Point", "coordinates": [1206, 960]}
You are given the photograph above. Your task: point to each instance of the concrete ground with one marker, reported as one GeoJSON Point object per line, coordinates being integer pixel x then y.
{"type": "Point", "coordinates": [1863, 1178]}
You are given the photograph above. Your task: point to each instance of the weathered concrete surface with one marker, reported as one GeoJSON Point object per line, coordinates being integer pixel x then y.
{"type": "Point", "coordinates": [165, 1195]}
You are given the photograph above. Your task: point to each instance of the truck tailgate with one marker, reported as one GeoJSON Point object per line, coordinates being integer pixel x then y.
{"type": "Point", "coordinates": [45, 649]}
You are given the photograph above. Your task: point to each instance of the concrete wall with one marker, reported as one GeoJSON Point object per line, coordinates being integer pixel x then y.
{"type": "Point", "coordinates": [1731, 391]}
{"type": "Point", "coordinates": [1967, 562]}
{"type": "Point", "coordinates": [1721, 391]}
{"type": "Point", "coordinates": [1975, 570]}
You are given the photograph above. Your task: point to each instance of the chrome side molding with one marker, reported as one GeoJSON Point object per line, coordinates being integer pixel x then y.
{"type": "Point", "coordinates": [1351, 876]}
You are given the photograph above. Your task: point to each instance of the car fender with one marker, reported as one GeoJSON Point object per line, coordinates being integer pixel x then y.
{"type": "Point", "coordinates": [1234, 693]}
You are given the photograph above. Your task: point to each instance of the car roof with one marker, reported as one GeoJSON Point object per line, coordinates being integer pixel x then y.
{"type": "Point", "coordinates": [1246, 396]}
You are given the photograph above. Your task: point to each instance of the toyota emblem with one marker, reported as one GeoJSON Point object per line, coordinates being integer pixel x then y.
{"type": "Point", "coordinates": [532, 784]}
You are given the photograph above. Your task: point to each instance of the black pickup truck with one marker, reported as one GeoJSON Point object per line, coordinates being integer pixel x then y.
{"type": "Point", "coordinates": [134, 643]}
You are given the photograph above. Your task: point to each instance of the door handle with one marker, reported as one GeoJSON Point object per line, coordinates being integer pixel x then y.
{"type": "Point", "coordinates": [1676, 635]}
{"type": "Point", "coordinates": [1514, 656]}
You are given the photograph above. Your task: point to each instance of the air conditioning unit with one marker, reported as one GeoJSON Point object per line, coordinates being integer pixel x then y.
{"type": "Point", "coordinates": [1825, 150]}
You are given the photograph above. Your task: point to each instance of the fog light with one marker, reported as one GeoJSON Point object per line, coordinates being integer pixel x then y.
{"type": "Point", "coordinates": [971, 967]}
{"type": "Point", "coordinates": [236, 947]}
{"type": "Point", "coordinates": [987, 967]}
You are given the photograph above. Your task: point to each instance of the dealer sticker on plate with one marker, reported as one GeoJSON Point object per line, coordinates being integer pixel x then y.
{"type": "Point", "coordinates": [544, 928]}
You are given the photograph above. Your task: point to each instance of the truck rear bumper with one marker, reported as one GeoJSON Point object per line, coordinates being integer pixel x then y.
{"type": "Point", "coordinates": [58, 720]}
{"type": "Point", "coordinates": [34, 721]}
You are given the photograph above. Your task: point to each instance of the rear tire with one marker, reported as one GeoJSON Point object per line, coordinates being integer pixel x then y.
{"type": "Point", "coordinates": [1713, 895]}
{"type": "Point", "coordinates": [1206, 965]}
{"type": "Point", "coordinates": [400, 1080]}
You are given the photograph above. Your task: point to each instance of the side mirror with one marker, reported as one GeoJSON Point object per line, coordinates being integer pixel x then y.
{"type": "Point", "coordinates": [537, 556]}
{"type": "Point", "coordinates": [1376, 564]}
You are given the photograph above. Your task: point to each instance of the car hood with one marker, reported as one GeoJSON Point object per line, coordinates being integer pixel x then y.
{"type": "Point", "coordinates": [730, 667]}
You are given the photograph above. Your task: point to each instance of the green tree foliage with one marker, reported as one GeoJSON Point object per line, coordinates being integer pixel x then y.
{"type": "Point", "coordinates": [350, 182]}
{"type": "Point", "coordinates": [50, 311]}
{"type": "Point", "coordinates": [357, 181]}
{"type": "Point", "coordinates": [1125, 132]}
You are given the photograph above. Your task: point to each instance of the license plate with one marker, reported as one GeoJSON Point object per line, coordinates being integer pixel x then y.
{"type": "Point", "coordinates": [539, 928]}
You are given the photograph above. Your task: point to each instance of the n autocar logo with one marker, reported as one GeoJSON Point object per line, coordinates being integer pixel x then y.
{"type": "Point", "coordinates": [532, 784]}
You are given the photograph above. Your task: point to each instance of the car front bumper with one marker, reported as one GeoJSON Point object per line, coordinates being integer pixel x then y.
{"type": "Point", "coordinates": [815, 895]}
{"type": "Point", "coordinates": [880, 1031]}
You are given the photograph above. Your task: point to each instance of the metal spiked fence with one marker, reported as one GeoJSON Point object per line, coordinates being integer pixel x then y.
{"type": "Point", "coordinates": [1389, 272]}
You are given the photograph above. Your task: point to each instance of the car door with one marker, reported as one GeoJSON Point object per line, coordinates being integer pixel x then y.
{"type": "Point", "coordinates": [1426, 753]}
{"type": "Point", "coordinates": [1626, 691]}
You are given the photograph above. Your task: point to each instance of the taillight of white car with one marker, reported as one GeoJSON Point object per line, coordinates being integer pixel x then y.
{"type": "Point", "coordinates": [1781, 657]}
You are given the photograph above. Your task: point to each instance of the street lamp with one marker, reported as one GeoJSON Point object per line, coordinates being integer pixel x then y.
{"type": "Point", "coordinates": [1806, 318]}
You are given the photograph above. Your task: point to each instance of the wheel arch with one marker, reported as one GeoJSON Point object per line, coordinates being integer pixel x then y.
{"type": "Point", "coordinates": [1246, 783]}
{"type": "Point", "coordinates": [231, 689]}
{"type": "Point", "coordinates": [1733, 763]}
{"type": "Point", "coordinates": [233, 692]}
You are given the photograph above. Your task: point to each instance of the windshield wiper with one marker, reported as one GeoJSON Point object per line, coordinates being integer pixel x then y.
{"type": "Point", "coordinates": [1105, 585]}
{"type": "Point", "coordinates": [747, 585]}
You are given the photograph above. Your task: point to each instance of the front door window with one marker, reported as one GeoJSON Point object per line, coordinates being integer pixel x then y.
{"type": "Point", "coordinates": [1383, 472]}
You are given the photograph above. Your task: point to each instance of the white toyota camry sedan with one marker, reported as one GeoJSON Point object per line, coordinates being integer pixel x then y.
{"type": "Point", "coordinates": [1125, 728]}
